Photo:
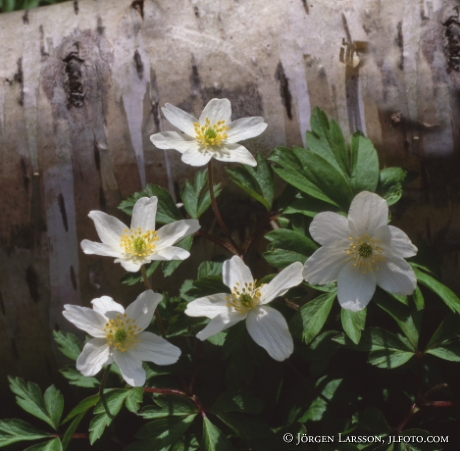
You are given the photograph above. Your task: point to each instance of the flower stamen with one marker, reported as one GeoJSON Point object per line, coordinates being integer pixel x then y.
{"type": "Point", "coordinates": [211, 135]}
{"type": "Point", "coordinates": [365, 252]}
{"type": "Point", "coordinates": [122, 333]}
{"type": "Point", "coordinates": [246, 298]}
{"type": "Point", "coordinates": [138, 243]}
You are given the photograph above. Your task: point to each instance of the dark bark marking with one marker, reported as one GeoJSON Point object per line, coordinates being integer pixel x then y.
{"type": "Point", "coordinates": [25, 178]}
{"type": "Point", "coordinates": [73, 77]}
{"type": "Point", "coordinates": [100, 28]}
{"type": "Point", "coordinates": [305, 6]}
{"type": "Point", "coordinates": [452, 42]}
{"type": "Point", "coordinates": [285, 93]}
{"type": "Point", "coordinates": [75, 7]}
{"type": "Point", "coordinates": [63, 211]}
{"type": "Point", "coordinates": [400, 44]}
{"type": "Point", "coordinates": [138, 5]}
{"type": "Point", "coordinates": [102, 200]}
{"type": "Point", "coordinates": [2, 304]}
{"type": "Point", "coordinates": [73, 278]}
{"type": "Point", "coordinates": [43, 52]}
{"type": "Point", "coordinates": [19, 77]}
{"type": "Point", "coordinates": [25, 17]}
{"type": "Point", "coordinates": [97, 157]}
{"type": "Point", "coordinates": [155, 98]}
{"type": "Point", "coordinates": [195, 79]}
{"type": "Point", "coordinates": [32, 283]}
{"type": "Point", "coordinates": [139, 65]}
{"type": "Point", "coordinates": [196, 11]}
{"type": "Point", "coordinates": [14, 348]}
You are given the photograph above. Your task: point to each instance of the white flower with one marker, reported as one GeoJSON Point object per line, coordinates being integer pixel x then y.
{"type": "Point", "coordinates": [360, 252]}
{"type": "Point", "coordinates": [119, 337]}
{"type": "Point", "coordinates": [267, 326]}
{"type": "Point", "coordinates": [141, 243]}
{"type": "Point", "coordinates": [213, 135]}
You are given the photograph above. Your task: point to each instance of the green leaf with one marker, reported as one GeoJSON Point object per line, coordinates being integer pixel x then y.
{"type": "Point", "coordinates": [76, 378]}
{"type": "Point", "coordinates": [237, 400]}
{"type": "Point", "coordinates": [446, 294]}
{"type": "Point", "coordinates": [258, 182]}
{"type": "Point", "coordinates": [449, 351]}
{"type": "Point", "coordinates": [196, 197]}
{"type": "Point", "coordinates": [53, 445]}
{"type": "Point", "coordinates": [213, 438]}
{"type": "Point", "coordinates": [15, 430]}
{"type": "Point", "coordinates": [83, 407]}
{"type": "Point", "coordinates": [169, 405]}
{"type": "Point", "coordinates": [390, 184]}
{"type": "Point", "coordinates": [208, 268]}
{"type": "Point", "coordinates": [322, 350]}
{"type": "Point", "coordinates": [70, 431]}
{"type": "Point", "coordinates": [134, 399]}
{"type": "Point", "coordinates": [365, 164]}
{"type": "Point", "coordinates": [170, 266]}
{"type": "Point", "coordinates": [373, 420]}
{"type": "Point", "coordinates": [314, 315]}
{"type": "Point", "coordinates": [389, 359]}
{"type": "Point", "coordinates": [133, 278]}
{"type": "Point", "coordinates": [353, 323]}
{"type": "Point", "coordinates": [445, 342]}
{"type": "Point", "coordinates": [307, 206]}
{"type": "Point", "coordinates": [29, 397]}
{"type": "Point", "coordinates": [54, 403]}
{"type": "Point", "coordinates": [68, 343]}
{"type": "Point", "coordinates": [206, 286]}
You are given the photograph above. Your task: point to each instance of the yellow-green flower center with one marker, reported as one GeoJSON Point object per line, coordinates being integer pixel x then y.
{"type": "Point", "coordinates": [246, 298]}
{"type": "Point", "coordinates": [122, 333]}
{"type": "Point", "coordinates": [365, 252]}
{"type": "Point", "coordinates": [138, 243]}
{"type": "Point", "coordinates": [209, 134]}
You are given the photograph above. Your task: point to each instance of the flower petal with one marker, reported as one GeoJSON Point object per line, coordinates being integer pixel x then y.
{"type": "Point", "coordinates": [85, 319]}
{"type": "Point", "coordinates": [153, 348]}
{"type": "Point", "coordinates": [396, 276]}
{"type": "Point", "coordinates": [245, 128]}
{"type": "Point", "coordinates": [235, 271]}
{"type": "Point", "coordinates": [108, 228]}
{"type": "Point", "coordinates": [289, 277]}
{"type": "Point", "coordinates": [195, 156]}
{"type": "Point", "coordinates": [328, 228]}
{"type": "Point", "coordinates": [219, 323]}
{"type": "Point", "coordinates": [171, 233]}
{"type": "Point", "coordinates": [216, 110]}
{"type": "Point", "coordinates": [95, 354]}
{"type": "Point", "coordinates": [235, 153]}
{"type": "Point", "coordinates": [395, 241]}
{"type": "Point", "coordinates": [92, 247]}
{"type": "Point", "coordinates": [144, 213]}
{"type": "Point", "coordinates": [269, 329]}
{"type": "Point", "coordinates": [368, 212]}
{"type": "Point", "coordinates": [209, 306]}
{"type": "Point", "coordinates": [130, 367]}
{"type": "Point", "coordinates": [143, 308]}
{"type": "Point", "coordinates": [131, 265]}
{"type": "Point", "coordinates": [171, 253]}
{"type": "Point", "coordinates": [325, 264]}
{"type": "Point", "coordinates": [180, 119]}
{"type": "Point", "coordinates": [355, 289]}
{"type": "Point", "coordinates": [106, 304]}
{"type": "Point", "coordinates": [172, 140]}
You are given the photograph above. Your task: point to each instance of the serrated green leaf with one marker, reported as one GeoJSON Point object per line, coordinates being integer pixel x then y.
{"type": "Point", "coordinates": [365, 164]}
{"type": "Point", "coordinates": [170, 266]}
{"type": "Point", "coordinates": [373, 420]}
{"type": "Point", "coordinates": [353, 323]}
{"type": "Point", "coordinates": [15, 430]}
{"type": "Point", "coordinates": [208, 268]}
{"type": "Point", "coordinates": [213, 438]}
{"type": "Point", "coordinates": [52, 445]}
{"type": "Point", "coordinates": [76, 378]}
{"type": "Point", "coordinates": [449, 351]}
{"type": "Point", "coordinates": [390, 184]}
{"type": "Point", "coordinates": [389, 359]}
{"type": "Point", "coordinates": [70, 431]}
{"type": "Point", "coordinates": [314, 315]}
{"type": "Point", "coordinates": [169, 405]}
{"type": "Point", "coordinates": [82, 407]}
{"type": "Point", "coordinates": [322, 350]}
{"type": "Point", "coordinates": [448, 331]}
{"type": "Point", "coordinates": [134, 399]}
{"type": "Point", "coordinates": [68, 343]}
{"type": "Point", "coordinates": [206, 286]}
{"type": "Point", "coordinates": [307, 206]}
{"type": "Point", "coordinates": [237, 400]}
{"type": "Point", "coordinates": [54, 402]}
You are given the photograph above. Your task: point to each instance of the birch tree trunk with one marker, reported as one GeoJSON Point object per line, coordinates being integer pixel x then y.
{"type": "Point", "coordinates": [82, 83]}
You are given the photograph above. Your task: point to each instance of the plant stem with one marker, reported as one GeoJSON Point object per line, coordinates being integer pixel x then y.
{"type": "Point", "coordinates": [222, 243]}
{"type": "Point", "coordinates": [172, 391]}
{"type": "Point", "coordinates": [157, 312]}
{"type": "Point", "coordinates": [217, 211]}
{"type": "Point", "coordinates": [104, 380]}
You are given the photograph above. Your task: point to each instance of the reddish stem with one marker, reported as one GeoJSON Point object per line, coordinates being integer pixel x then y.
{"type": "Point", "coordinates": [172, 391]}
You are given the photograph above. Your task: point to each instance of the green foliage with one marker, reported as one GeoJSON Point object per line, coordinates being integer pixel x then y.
{"type": "Point", "coordinates": [213, 438]}
{"type": "Point", "coordinates": [68, 344]}
{"type": "Point", "coordinates": [7, 6]}
{"type": "Point", "coordinates": [353, 323]}
{"type": "Point", "coordinates": [15, 430]}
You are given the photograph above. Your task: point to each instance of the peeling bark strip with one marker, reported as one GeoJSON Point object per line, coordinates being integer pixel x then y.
{"type": "Point", "coordinates": [139, 65]}
{"type": "Point", "coordinates": [452, 42]}
{"type": "Point", "coordinates": [138, 5]}
{"type": "Point", "coordinates": [73, 81]}
{"type": "Point", "coordinates": [285, 93]}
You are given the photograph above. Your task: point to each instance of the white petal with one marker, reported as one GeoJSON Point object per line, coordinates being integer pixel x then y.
{"type": "Point", "coordinates": [395, 242]}
{"type": "Point", "coordinates": [289, 277]}
{"type": "Point", "coordinates": [328, 228]}
{"type": "Point", "coordinates": [85, 319]}
{"type": "Point", "coordinates": [368, 212]}
{"type": "Point", "coordinates": [245, 128]}
{"type": "Point", "coordinates": [235, 271]}
{"type": "Point", "coordinates": [355, 289]}
{"type": "Point", "coordinates": [325, 264]}
{"type": "Point", "coordinates": [236, 153]}
{"type": "Point", "coordinates": [220, 323]}
{"type": "Point", "coordinates": [171, 253]}
{"type": "Point", "coordinates": [180, 119]}
{"type": "Point", "coordinates": [108, 228]}
{"type": "Point", "coordinates": [396, 276]}
{"type": "Point", "coordinates": [172, 140]}
{"type": "Point", "coordinates": [210, 306]}
{"type": "Point", "coordinates": [196, 157]}
{"type": "Point", "coordinates": [94, 356]}
{"type": "Point", "coordinates": [217, 110]}
{"type": "Point", "coordinates": [131, 265]}
{"type": "Point", "coordinates": [144, 213]}
{"type": "Point", "coordinates": [143, 308]}
{"type": "Point", "coordinates": [130, 367]}
{"type": "Point", "coordinates": [91, 247]}
{"type": "Point", "coordinates": [153, 348]}
{"type": "Point", "coordinates": [106, 304]}
{"type": "Point", "coordinates": [269, 329]}
{"type": "Point", "coordinates": [171, 233]}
